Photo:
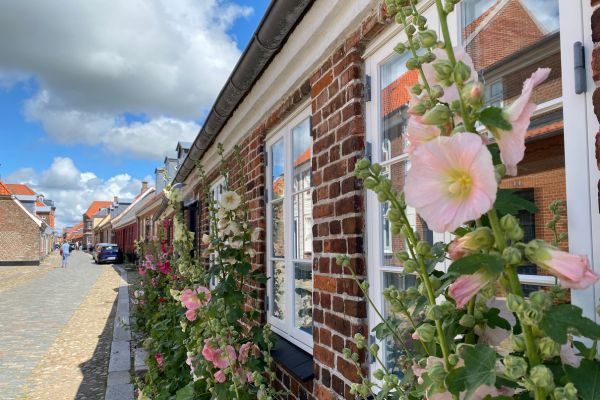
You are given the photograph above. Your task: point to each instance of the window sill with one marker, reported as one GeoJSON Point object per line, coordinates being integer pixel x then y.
{"type": "Point", "coordinates": [298, 362]}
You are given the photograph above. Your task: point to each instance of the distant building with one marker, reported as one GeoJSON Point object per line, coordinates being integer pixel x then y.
{"type": "Point", "coordinates": [22, 234]}
{"type": "Point", "coordinates": [90, 220]}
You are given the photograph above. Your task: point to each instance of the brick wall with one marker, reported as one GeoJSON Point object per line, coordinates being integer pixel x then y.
{"type": "Point", "coordinates": [19, 235]}
{"type": "Point", "coordinates": [596, 74]}
{"type": "Point", "coordinates": [339, 309]}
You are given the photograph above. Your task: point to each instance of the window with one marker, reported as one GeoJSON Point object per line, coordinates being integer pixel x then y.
{"type": "Point", "coordinates": [387, 119]}
{"type": "Point", "coordinates": [494, 93]}
{"type": "Point", "coordinates": [216, 191]}
{"type": "Point", "coordinates": [289, 231]}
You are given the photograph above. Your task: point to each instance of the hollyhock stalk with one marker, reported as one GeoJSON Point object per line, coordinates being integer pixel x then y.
{"type": "Point", "coordinates": [515, 287]}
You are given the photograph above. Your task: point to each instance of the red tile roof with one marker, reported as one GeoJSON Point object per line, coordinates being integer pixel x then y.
{"type": "Point", "coordinates": [4, 190]}
{"type": "Point", "coordinates": [96, 206]}
{"type": "Point", "coordinates": [396, 94]}
{"type": "Point", "coordinates": [20, 189]}
{"type": "Point", "coordinates": [39, 204]}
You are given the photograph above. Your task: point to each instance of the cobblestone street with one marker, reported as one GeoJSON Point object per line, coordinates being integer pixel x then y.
{"type": "Point", "coordinates": [55, 330]}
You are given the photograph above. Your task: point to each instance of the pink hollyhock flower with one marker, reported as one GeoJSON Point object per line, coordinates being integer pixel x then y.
{"type": "Point", "coordinates": [450, 93]}
{"type": "Point", "coordinates": [573, 270]}
{"type": "Point", "coordinates": [160, 361]}
{"type": "Point", "coordinates": [512, 143]}
{"type": "Point", "coordinates": [467, 286]}
{"type": "Point", "coordinates": [456, 248]}
{"type": "Point", "coordinates": [204, 293]}
{"type": "Point", "coordinates": [244, 351]}
{"type": "Point", "coordinates": [190, 361]}
{"type": "Point", "coordinates": [568, 356]}
{"type": "Point", "coordinates": [451, 181]}
{"type": "Point", "coordinates": [141, 270]}
{"type": "Point", "coordinates": [209, 353]}
{"type": "Point", "coordinates": [419, 133]}
{"type": "Point", "coordinates": [165, 267]}
{"type": "Point", "coordinates": [220, 376]}
{"type": "Point", "coordinates": [189, 298]}
{"type": "Point", "coordinates": [191, 315]}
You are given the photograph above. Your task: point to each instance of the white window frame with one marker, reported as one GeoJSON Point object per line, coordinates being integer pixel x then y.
{"type": "Point", "coordinates": [285, 328]}
{"type": "Point", "coordinates": [216, 194]}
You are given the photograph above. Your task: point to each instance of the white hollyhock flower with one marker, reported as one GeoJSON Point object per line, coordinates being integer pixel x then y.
{"type": "Point", "coordinates": [205, 239]}
{"type": "Point", "coordinates": [230, 200]}
{"type": "Point", "coordinates": [237, 244]}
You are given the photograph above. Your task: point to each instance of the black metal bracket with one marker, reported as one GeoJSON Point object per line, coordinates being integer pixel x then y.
{"type": "Point", "coordinates": [579, 67]}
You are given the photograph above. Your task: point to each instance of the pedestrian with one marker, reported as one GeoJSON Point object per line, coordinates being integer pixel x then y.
{"type": "Point", "coordinates": [65, 254]}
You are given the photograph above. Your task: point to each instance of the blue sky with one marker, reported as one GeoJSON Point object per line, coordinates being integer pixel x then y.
{"type": "Point", "coordinates": [90, 99]}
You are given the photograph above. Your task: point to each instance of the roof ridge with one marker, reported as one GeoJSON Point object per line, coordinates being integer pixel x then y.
{"type": "Point", "coordinates": [4, 190]}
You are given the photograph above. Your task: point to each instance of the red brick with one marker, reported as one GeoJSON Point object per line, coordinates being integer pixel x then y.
{"type": "Point", "coordinates": [338, 324]}
{"type": "Point", "coordinates": [596, 64]}
{"type": "Point", "coordinates": [323, 355]}
{"type": "Point", "coordinates": [338, 304]}
{"type": "Point", "coordinates": [334, 246]}
{"type": "Point", "coordinates": [322, 393]}
{"type": "Point", "coordinates": [347, 369]}
{"type": "Point", "coordinates": [596, 26]}
{"type": "Point", "coordinates": [325, 283]}
{"type": "Point", "coordinates": [355, 308]}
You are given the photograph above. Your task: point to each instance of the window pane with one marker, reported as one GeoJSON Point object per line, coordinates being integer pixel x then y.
{"type": "Point", "coordinates": [303, 225]}
{"type": "Point", "coordinates": [301, 142]}
{"type": "Point", "coordinates": [278, 168]}
{"type": "Point", "coordinates": [303, 296]}
{"type": "Point", "coordinates": [278, 228]}
{"type": "Point", "coordinates": [393, 350]}
{"type": "Point", "coordinates": [395, 82]}
{"type": "Point", "coordinates": [530, 40]}
{"type": "Point", "coordinates": [392, 244]}
{"type": "Point", "coordinates": [278, 282]}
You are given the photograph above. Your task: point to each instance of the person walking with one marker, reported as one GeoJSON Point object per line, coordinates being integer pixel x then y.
{"type": "Point", "coordinates": [65, 251]}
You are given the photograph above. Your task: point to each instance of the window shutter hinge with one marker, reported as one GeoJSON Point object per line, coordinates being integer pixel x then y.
{"type": "Point", "coordinates": [579, 65]}
{"type": "Point", "coordinates": [267, 304]}
{"type": "Point", "coordinates": [266, 196]}
{"type": "Point", "coordinates": [369, 151]}
{"type": "Point", "coordinates": [367, 88]}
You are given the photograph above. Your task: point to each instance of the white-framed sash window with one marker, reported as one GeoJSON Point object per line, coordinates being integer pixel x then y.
{"type": "Point", "coordinates": [216, 192]}
{"type": "Point", "coordinates": [289, 231]}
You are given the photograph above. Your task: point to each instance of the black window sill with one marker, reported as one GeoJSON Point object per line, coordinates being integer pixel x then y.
{"type": "Point", "coordinates": [298, 362]}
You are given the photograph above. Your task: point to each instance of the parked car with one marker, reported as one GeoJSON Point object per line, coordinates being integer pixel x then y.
{"type": "Point", "coordinates": [107, 252]}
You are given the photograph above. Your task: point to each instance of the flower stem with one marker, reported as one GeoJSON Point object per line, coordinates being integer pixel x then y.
{"type": "Point", "coordinates": [515, 288]}
{"type": "Point", "coordinates": [469, 125]}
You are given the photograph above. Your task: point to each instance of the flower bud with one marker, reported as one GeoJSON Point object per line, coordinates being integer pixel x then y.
{"type": "Point", "coordinates": [360, 341]}
{"type": "Point", "coordinates": [437, 373]}
{"type": "Point", "coordinates": [462, 72]}
{"type": "Point", "coordinates": [363, 163]}
{"type": "Point", "coordinates": [416, 89]}
{"type": "Point", "coordinates": [530, 314]}
{"type": "Point", "coordinates": [509, 222]}
{"type": "Point", "coordinates": [453, 359]}
{"type": "Point", "coordinates": [467, 321]}
{"type": "Point", "coordinates": [437, 91]}
{"type": "Point", "coordinates": [378, 374]}
{"type": "Point", "coordinates": [429, 57]}
{"type": "Point", "coordinates": [402, 256]}
{"type": "Point", "coordinates": [438, 115]}
{"type": "Point", "coordinates": [428, 38]}
{"type": "Point", "coordinates": [548, 348]}
{"type": "Point", "coordinates": [400, 48]}
{"type": "Point", "coordinates": [541, 298]}
{"type": "Point", "coordinates": [410, 266]}
{"type": "Point", "coordinates": [410, 30]}
{"type": "Point", "coordinates": [374, 348]}
{"type": "Point", "coordinates": [423, 248]}
{"type": "Point", "coordinates": [418, 109]}
{"type": "Point", "coordinates": [516, 367]}
{"type": "Point", "coordinates": [412, 63]}
{"type": "Point", "coordinates": [442, 70]}
{"type": "Point", "coordinates": [511, 255]}
{"type": "Point", "coordinates": [434, 313]}
{"type": "Point", "coordinates": [412, 293]}
{"type": "Point", "coordinates": [542, 377]}
{"type": "Point", "coordinates": [473, 93]}
{"type": "Point", "coordinates": [568, 392]}
{"type": "Point", "coordinates": [518, 343]}
{"type": "Point", "coordinates": [426, 333]}
{"type": "Point", "coordinates": [514, 303]}
{"type": "Point", "coordinates": [480, 239]}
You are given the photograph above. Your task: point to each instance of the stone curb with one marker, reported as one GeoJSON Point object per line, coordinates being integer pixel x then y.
{"type": "Point", "coordinates": [119, 386]}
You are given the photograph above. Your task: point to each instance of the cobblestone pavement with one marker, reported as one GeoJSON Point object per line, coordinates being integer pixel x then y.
{"type": "Point", "coordinates": [15, 276]}
{"type": "Point", "coordinates": [55, 332]}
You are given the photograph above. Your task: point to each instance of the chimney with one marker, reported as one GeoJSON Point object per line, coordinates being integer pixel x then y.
{"type": "Point", "coordinates": [115, 200]}
{"type": "Point", "coordinates": [144, 186]}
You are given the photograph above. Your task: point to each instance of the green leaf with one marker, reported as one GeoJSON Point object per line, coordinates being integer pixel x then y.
{"type": "Point", "coordinates": [508, 202]}
{"type": "Point", "coordinates": [586, 379]}
{"type": "Point", "coordinates": [186, 392]}
{"type": "Point", "coordinates": [493, 117]}
{"type": "Point", "coordinates": [495, 320]}
{"type": "Point", "coordinates": [480, 367]}
{"type": "Point", "coordinates": [456, 380]}
{"type": "Point", "coordinates": [566, 318]}
{"type": "Point", "coordinates": [470, 264]}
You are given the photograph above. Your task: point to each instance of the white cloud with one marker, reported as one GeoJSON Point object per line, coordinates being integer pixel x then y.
{"type": "Point", "coordinates": [73, 190]}
{"type": "Point", "coordinates": [96, 60]}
